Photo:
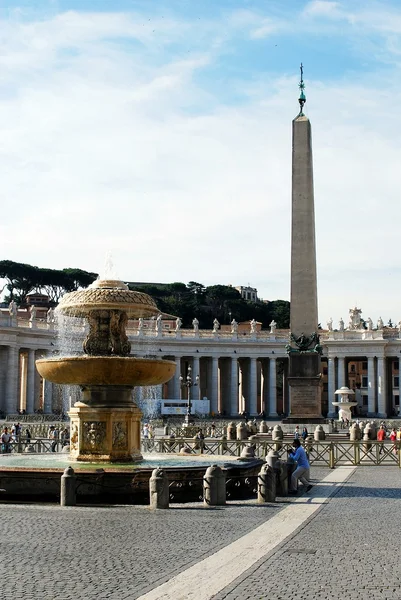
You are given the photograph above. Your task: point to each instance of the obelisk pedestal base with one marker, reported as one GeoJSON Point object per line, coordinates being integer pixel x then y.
{"type": "Point", "coordinates": [305, 387]}
{"type": "Point", "coordinates": [105, 426]}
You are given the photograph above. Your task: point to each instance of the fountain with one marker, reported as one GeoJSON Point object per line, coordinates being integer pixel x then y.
{"type": "Point", "coordinates": [344, 404]}
{"type": "Point", "coordinates": [105, 421]}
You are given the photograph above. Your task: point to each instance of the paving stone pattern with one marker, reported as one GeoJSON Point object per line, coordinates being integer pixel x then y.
{"type": "Point", "coordinates": [355, 536]}
{"type": "Point", "coordinates": [48, 552]}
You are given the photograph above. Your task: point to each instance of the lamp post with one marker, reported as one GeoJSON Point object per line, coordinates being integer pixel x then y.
{"type": "Point", "coordinates": [188, 383]}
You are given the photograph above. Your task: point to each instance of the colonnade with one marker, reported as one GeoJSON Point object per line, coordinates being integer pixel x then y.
{"type": "Point", "coordinates": [379, 388]}
{"type": "Point", "coordinates": [232, 384]}
{"type": "Point", "coordinates": [244, 373]}
{"type": "Point", "coordinates": [21, 387]}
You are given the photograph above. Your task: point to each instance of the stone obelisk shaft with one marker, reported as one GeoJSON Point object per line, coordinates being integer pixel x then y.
{"type": "Point", "coordinates": [304, 316]}
{"type": "Point", "coordinates": [304, 368]}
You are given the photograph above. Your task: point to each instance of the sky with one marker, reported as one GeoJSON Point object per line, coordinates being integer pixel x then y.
{"type": "Point", "coordinates": [160, 132]}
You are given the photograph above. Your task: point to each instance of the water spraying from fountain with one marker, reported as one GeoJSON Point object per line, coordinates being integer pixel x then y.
{"type": "Point", "coordinates": [105, 422]}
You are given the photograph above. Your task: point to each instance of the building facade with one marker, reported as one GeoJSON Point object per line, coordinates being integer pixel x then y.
{"type": "Point", "coordinates": [238, 370]}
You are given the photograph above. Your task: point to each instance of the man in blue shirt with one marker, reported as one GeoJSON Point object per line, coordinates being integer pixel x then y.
{"type": "Point", "coordinates": [302, 471]}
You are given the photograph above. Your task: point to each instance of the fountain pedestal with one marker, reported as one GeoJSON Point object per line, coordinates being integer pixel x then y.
{"type": "Point", "coordinates": [105, 425]}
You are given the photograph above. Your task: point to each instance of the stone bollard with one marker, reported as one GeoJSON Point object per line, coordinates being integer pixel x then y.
{"type": "Point", "coordinates": [214, 487]}
{"type": "Point", "coordinates": [309, 444]}
{"type": "Point", "coordinates": [281, 472]}
{"type": "Point", "coordinates": [367, 436]}
{"type": "Point", "coordinates": [248, 452]}
{"type": "Point", "coordinates": [231, 431]}
{"type": "Point", "coordinates": [68, 496]}
{"type": "Point", "coordinates": [242, 431]}
{"type": "Point", "coordinates": [266, 484]}
{"type": "Point", "coordinates": [319, 433]}
{"type": "Point", "coordinates": [272, 458]}
{"type": "Point", "coordinates": [223, 444]}
{"type": "Point", "coordinates": [354, 433]}
{"type": "Point", "coordinates": [277, 436]}
{"type": "Point", "coordinates": [263, 427]}
{"type": "Point", "coordinates": [373, 430]}
{"type": "Point", "coordinates": [159, 491]}
{"type": "Point", "coordinates": [252, 427]}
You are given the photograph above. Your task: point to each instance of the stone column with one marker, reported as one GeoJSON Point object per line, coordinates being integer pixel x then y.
{"type": "Point", "coordinates": [48, 397]}
{"type": "Point", "coordinates": [371, 387]}
{"type": "Point", "coordinates": [214, 400]}
{"type": "Point", "coordinates": [195, 371]}
{"type": "Point", "coordinates": [30, 395]}
{"type": "Point", "coordinates": [12, 380]}
{"type": "Point", "coordinates": [253, 388]}
{"type": "Point", "coordinates": [331, 386]}
{"type": "Point", "coordinates": [23, 377]}
{"type": "Point", "coordinates": [177, 382]}
{"type": "Point", "coordinates": [341, 372]}
{"type": "Point", "coordinates": [272, 388]}
{"type": "Point", "coordinates": [233, 411]}
{"type": "Point", "coordinates": [381, 388]}
{"type": "Point", "coordinates": [264, 388]}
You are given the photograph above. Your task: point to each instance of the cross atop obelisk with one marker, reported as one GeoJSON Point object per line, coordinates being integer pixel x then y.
{"type": "Point", "coordinates": [304, 350]}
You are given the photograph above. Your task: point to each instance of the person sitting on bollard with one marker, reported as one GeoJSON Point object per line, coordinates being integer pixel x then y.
{"type": "Point", "coordinates": [381, 436]}
{"type": "Point", "coordinates": [302, 472]}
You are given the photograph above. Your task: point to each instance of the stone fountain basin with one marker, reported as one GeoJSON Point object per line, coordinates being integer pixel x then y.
{"type": "Point", "coordinates": [106, 370]}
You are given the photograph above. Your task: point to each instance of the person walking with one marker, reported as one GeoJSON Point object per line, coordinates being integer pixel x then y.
{"type": "Point", "coordinates": [381, 436]}
{"type": "Point", "coordinates": [393, 438]}
{"type": "Point", "coordinates": [296, 433]}
{"type": "Point", "coordinates": [302, 472]}
{"type": "Point", "coordinates": [304, 433]}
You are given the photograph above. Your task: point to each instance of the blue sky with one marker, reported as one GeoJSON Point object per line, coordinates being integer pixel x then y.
{"type": "Point", "coordinates": [161, 131]}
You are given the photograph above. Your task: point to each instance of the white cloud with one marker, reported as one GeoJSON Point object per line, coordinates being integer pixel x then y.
{"type": "Point", "coordinates": [108, 148]}
{"type": "Point", "coordinates": [322, 8]}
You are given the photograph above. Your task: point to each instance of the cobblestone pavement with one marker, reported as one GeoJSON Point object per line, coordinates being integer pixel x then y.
{"type": "Point", "coordinates": [353, 540]}
{"type": "Point", "coordinates": [122, 552]}
{"type": "Point", "coordinates": [118, 552]}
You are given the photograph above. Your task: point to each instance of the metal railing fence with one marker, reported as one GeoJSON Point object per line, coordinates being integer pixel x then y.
{"type": "Point", "coordinates": [322, 453]}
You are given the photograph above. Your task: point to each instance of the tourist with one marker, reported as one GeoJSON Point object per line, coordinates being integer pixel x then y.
{"type": "Point", "coordinates": [64, 437]}
{"type": "Point", "coordinates": [213, 430]}
{"type": "Point", "coordinates": [381, 436]}
{"type": "Point", "coordinates": [304, 433]}
{"type": "Point", "coordinates": [151, 431]}
{"type": "Point", "coordinates": [302, 472]}
{"type": "Point", "coordinates": [399, 434]}
{"type": "Point", "coordinates": [199, 435]}
{"type": "Point", "coordinates": [28, 434]}
{"type": "Point", "coordinates": [146, 431]}
{"type": "Point", "coordinates": [5, 441]}
{"type": "Point", "coordinates": [296, 433]}
{"type": "Point", "coordinates": [53, 436]}
{"type": "Point", "coordinates": [393, 438]}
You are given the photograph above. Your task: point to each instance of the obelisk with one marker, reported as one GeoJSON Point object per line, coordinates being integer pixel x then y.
{"type": "Point", "coordinates": [304, 349]}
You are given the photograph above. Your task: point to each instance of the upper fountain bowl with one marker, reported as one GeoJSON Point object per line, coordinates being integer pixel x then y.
{"type": "Point", "coordinates": [106, 294]}
{"type": "Point", "coordinates": [106, 370]}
